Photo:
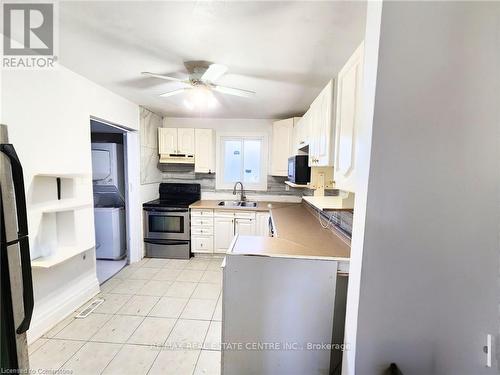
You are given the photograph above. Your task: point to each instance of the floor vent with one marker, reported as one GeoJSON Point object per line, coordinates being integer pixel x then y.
{"type": "Point", "coordinates": [89, 309]}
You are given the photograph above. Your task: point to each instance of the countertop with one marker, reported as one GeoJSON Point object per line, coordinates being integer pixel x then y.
{"type": "Point", "coordinates": [298, 233]}
{"type": "Point", "coordinates": [262, 206]}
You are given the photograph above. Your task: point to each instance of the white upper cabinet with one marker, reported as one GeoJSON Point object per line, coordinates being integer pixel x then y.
{"type": "Point", "coordinates": [176, 141]}
{"type": "Point", "coordinates": [301, 132]}
{"type": "Point", "coordinates": [167, 140]}
{"type": "Point", "coordinates": [185, 141]}
{"type": "Point", "coordinates": [282, 147]}
{"type": "Point", "coordinates": [348, 117]}
{"type": "Point", "coordinates": [204, 151]}
{"type": "Point", "coordinates": [320, 115]}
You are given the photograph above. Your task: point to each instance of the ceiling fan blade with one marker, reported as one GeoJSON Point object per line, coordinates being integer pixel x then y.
{"type": "Point", "coordinates": [174, 92]}
{"type": "Point", "coordinates": [161, 76]}
{"type": "Point", "coordinates": [214, 72]}
{"type": "Point", "coordinates": [234, 91]}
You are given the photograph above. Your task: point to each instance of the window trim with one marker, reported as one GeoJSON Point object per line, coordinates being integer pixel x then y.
{"type": "Point", "coordinates": [264, 162]}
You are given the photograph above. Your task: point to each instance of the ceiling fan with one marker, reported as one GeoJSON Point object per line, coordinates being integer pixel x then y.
{"type": "Point", "coordinates": [202, 75]}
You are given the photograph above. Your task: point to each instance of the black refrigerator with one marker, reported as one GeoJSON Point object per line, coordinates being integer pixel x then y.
{"type": "Point", "coordinates": [16, 281]}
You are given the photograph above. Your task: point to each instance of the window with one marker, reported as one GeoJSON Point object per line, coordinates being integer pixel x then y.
{"type": "Point", "coordinates": [242, 158]}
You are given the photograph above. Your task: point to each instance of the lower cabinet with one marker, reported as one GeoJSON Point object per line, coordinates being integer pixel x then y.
{"type": "Point", "coordinates": [224, 233]}
{"type": "Point", "coordinates": [202, 231]}
{"type": "Point", "coordinates": [228, 223]}
{"type": "Point", "coordinates": [213, 230]}
{"type": "Point", "coordinates": [245, 227]}
{"type": "Point", "coordinates": [202, 244]}
{"type": "Point", "coordinates": [262, 224]}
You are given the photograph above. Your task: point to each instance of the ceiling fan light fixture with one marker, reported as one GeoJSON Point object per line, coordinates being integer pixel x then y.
{"type": "Point", "coordinates": [201, 98]}
{"type": "Point", "coordinates": [188, 104]}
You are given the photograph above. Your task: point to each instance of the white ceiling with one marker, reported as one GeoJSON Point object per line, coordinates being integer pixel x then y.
{"type": "Point", "coordinates": [285, 51]}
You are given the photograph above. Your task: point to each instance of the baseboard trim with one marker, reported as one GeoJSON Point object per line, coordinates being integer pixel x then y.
{"type": "Point", "coordinates": [55, 308]}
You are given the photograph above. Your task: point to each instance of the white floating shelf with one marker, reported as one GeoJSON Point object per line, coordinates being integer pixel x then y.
{"type": "Point", "coordinates": [344, 201]}
{"type": "Point", "coordinates": [61, 254]}
{"type": "Point", "coordinates": [62, 205]}
{"type": "Point", "coordinates": [61, 175]}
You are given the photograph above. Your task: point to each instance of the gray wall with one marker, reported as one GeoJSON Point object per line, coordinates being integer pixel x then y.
{"type": "Point", "coordinates": [430, 261]}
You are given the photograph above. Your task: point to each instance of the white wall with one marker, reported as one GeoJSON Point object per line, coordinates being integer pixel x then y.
{"type": "Point", "coordinates": [428, 292]}
{"type": "Point", "coordinates": [48, 114]}
{"type": "Point", "coordinates": [363, 151]}
{"type": "Point", "coordinates": [253, 125]}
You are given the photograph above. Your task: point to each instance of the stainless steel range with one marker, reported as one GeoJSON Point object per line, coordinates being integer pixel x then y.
{"type": "Point", "coordinates": [166, 221]}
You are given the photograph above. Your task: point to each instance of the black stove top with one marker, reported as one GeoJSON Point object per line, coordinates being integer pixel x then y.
{"type": "Point", "coordinates": [168, 203]}
{"type": "Point", "coordinates": [176, 195]}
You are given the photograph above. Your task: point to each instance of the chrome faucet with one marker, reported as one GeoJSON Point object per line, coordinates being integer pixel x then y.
{"type": "Point", "coordinates": [242, 191]}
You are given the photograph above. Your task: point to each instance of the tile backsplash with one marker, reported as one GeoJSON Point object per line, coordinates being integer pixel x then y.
{"type": "Point", "coordinates": [185, 173]}
{"type": "Point", "coordinates": [340, 220]}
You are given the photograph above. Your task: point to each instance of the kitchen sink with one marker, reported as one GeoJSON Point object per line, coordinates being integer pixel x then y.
{"type": "Point", "coordinates": [230, 203]}
{"type": "Point", "coordinates": [248, 204]}
{"type": "Point", "coordinates": [237, 204]}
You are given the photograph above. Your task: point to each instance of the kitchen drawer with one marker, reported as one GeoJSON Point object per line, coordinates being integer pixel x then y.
{"type": "Point", "coordinates": [202, 244]}
{"type": "Point", "coordinates": [244, 215]}
{"type": "Point", "coordinates": [203, 213]}
{"type": "Point", "coordinates": [224, 213]}
{"type": "Point", "coordinates": [202, 221]}
{"type": "Point", "coordinates": [235, 214]}
{"type": "Point", "coordinates": [202, 230]}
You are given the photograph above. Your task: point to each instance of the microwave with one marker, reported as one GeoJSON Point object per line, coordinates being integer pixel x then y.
{"type": "Point", "coordinates": [299, 171]}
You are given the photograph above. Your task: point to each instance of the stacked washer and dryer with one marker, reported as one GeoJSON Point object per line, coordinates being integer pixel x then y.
{"type": "Point", "coordinates": [109, 200]}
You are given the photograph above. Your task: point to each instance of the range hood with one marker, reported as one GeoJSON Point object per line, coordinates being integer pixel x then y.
{"type": "Point", "coordinates": [176, 159]}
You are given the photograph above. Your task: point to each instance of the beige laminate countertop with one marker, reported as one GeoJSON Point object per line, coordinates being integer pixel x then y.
{"type": "Point", "coordinates": [262, 206]}
{"type": "Point", "coordinates": [298, 233]}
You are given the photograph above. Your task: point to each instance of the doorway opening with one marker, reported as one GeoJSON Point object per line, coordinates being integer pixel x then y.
{"type": "Point", "coordinates": [109, 179]}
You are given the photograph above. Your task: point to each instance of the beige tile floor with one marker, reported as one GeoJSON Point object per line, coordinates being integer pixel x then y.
{"type": "Point", "coordinates": [159, 316]}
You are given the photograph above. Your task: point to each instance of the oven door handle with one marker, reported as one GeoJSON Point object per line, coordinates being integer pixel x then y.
{"type": "Point", "coordinates": [166, 242]}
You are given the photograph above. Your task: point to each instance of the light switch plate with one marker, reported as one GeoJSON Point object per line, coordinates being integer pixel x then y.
{"type": "Point", "coordinates": [488, 350]}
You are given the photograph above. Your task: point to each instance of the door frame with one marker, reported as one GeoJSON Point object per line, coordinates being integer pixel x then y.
{"type": "Point", "coordinates": [133, 209]}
